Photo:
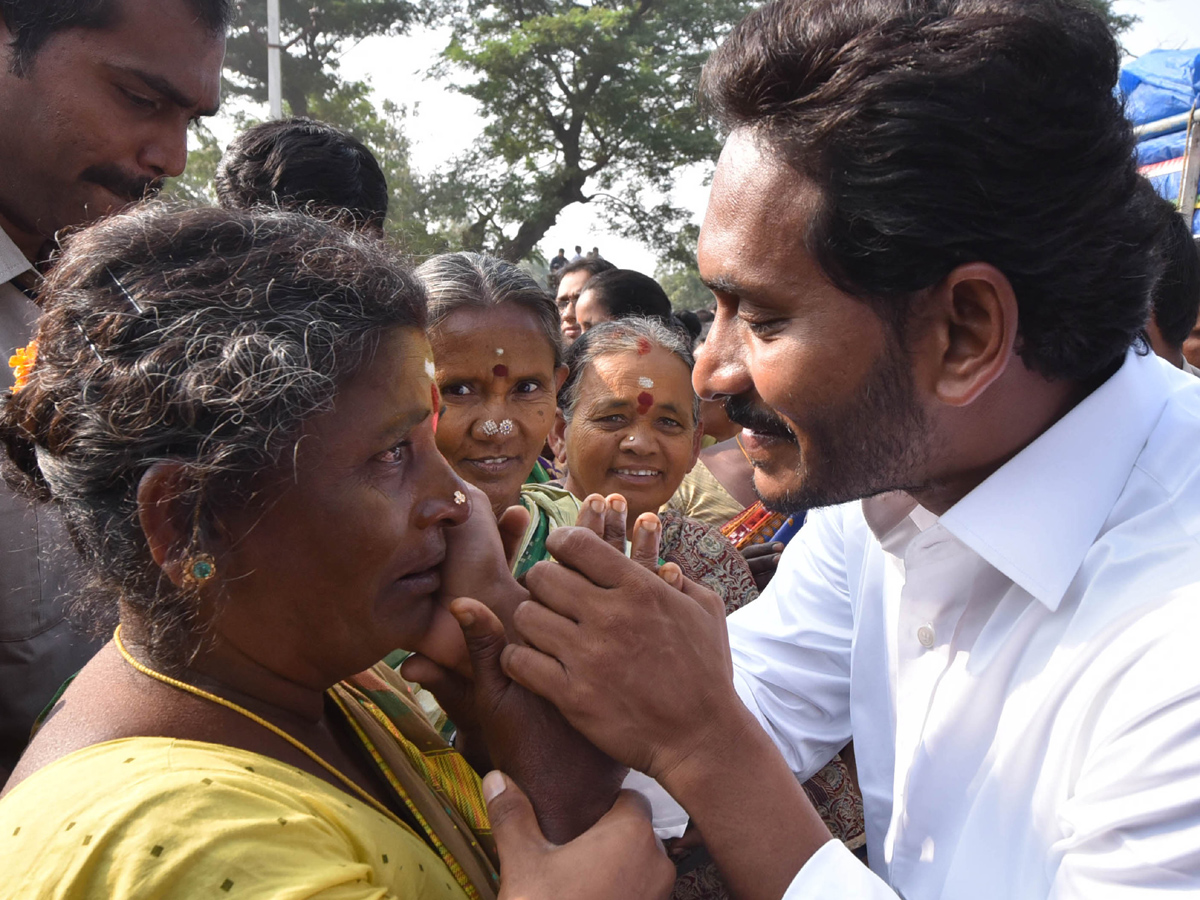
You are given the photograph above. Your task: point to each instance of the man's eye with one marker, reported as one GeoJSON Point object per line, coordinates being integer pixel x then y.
{"type": "Point", "coordinates": [763, 327]}
{"type": "Point", "coordinates": [138, 100]}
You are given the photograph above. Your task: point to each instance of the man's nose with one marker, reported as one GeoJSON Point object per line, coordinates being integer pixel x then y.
{"type": "Point", "coordinates": [721, 369]}
{"type": "Point", "coordinates": [165, 150]}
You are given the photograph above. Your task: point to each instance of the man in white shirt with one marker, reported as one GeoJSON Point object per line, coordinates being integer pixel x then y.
{"type": "Point", "coordinates": [95, 101]}
{"type": "Point", "coordinates": [932, 259]}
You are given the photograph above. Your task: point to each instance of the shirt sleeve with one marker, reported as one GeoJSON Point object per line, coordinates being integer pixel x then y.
{"type": "Point", "coordinates": [1130, 823]}
{"type": "Point", "coordinates": [791, 647]}
{"type": "Point", "coordinates": [834, 873]}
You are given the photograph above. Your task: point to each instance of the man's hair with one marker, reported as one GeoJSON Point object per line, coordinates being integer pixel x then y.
{"type": "Point", "coordinates": [941, 132]}
{"type": "Point", "coordinates": [624, 293]}
{"type": "Point", "coordinates": [1177, 293]}
{"type": "Point", "coordinates": [303, 165]}
{"type": "Point", "coordinates": [32, 22]}
{"type": "Point", "coordinates": [593, 266]}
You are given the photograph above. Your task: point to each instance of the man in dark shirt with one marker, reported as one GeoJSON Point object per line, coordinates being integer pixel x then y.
{"type": "Point", "coordinates": [104, 92]}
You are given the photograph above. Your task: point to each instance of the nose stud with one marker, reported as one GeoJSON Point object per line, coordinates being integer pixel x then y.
{"type": "Point", "coordinates": [459, 498]}
{"type": "Point", "coordinates": [505, 427]}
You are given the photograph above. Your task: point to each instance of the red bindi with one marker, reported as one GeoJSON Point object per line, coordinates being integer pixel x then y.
{"type": "Point", "coordinates": [500, 371]}
{"type": "Point", "coordinates": [643, 345]}
{"type": "Point", "coordinates": [437, 403]}
{"type": "Point", "coordinates": [645, 401]}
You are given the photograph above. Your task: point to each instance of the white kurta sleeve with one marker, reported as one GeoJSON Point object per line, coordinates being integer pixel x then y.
{"type": "Point", "coordinates": [791, 647]}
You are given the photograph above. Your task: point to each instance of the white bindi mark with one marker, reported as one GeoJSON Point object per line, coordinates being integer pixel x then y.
{"type": "Point", "coordinates": [645, 383]}
{"type": "Point", "coordinates": [429, 370]}
{"type": "Point", "coordinates": [499, 351]}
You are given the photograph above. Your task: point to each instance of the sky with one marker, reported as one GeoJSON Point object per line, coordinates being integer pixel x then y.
{"type": "Point", "coordinates": [442, 122]}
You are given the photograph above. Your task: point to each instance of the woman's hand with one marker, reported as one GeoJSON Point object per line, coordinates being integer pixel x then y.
{"type": "Point", "coordinates": [605, 517]}
{"type": "Point", "coordinates": [616, 859]}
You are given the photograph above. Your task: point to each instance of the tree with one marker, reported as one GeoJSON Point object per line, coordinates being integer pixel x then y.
{"type": "Point", "coordinates": [584, 103]}
{"type": "Point", "coordinates": [313, 37]}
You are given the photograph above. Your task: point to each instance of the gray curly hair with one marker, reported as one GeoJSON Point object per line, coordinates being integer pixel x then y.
{"type": "Point", "coordinates": [202, 336]}
{"type": "Point", "coordinates": [622, 336]}
{"type": "Point", "coordinates": [456, 281]}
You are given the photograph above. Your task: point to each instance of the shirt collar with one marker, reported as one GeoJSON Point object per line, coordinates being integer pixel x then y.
{"type": "Point", "coordinates": [1035, 518]}
{"type": "Point", "coordinates": [12, 261]}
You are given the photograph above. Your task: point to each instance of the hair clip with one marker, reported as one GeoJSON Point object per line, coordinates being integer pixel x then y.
{"type": "Point", "coordinates": [124, 290]}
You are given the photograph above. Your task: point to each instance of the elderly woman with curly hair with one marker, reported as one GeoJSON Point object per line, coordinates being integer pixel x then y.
{"type": "Point", "coordinates": [234, 413]}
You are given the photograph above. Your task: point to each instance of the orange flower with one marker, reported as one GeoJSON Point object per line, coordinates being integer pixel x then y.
{"type": "Point", "coordinates": [21, 362]}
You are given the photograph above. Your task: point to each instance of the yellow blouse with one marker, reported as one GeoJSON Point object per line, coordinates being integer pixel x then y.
{"type": "Point", "coordinates": [159, 817]}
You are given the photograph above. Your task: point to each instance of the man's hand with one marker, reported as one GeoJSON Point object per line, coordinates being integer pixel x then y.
{"type": "Point", "coordinates": [617, 859]}
{"type": "Point", "coordinates": [571, 783]}
{"type": "Point", "coordinates": [763, 560]}
{"type": "Point", "coordinates": [636, 660]}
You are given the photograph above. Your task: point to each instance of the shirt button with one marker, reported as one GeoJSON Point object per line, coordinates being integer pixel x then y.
{"type": "Point", "coordinates": [926, 635]}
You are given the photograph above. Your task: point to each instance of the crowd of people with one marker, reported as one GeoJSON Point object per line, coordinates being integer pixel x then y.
{"type": "Point", "coordinates": [421, 578]}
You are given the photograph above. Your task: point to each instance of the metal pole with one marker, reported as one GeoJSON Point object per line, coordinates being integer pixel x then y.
{"type": "Point", "coordinates": [274, 79]}
{"type": "Point", "coordinates": [1190, 180]}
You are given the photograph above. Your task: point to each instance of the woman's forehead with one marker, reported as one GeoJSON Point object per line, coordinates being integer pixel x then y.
{"type": "Point", "coordinates": [629, 372]}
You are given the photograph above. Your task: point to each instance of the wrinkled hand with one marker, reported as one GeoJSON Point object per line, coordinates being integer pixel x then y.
{"type": "Point", "coordinates": [476, 565]}
{"type": "Point", "coordinates": [572, 784]}
{"type": "Point", "coordinates": [617, 859]}
{"type": "Point", "coordinates": [763, 560]}
{"type": "Point", "coordinates": [605, 517]}
{"type": "Point", "coordinates": [638, 661]}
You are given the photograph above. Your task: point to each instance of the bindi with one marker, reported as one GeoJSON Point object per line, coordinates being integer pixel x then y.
{"type": "Point", "coordinates": [645, 401]}
{"type": "Point", "coordinates": [500, 371]}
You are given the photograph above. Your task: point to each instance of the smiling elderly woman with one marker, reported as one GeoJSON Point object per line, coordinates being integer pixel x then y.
{"type": "Point", "coordinates": [234, 413]}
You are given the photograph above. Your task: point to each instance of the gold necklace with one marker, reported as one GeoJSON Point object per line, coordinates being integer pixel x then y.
{"type": "Point", "coordinates": [274, 729]}
{"type": "Point", "coordinates": [738, 439]}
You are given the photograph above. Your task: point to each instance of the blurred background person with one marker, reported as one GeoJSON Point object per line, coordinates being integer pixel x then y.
{"type": "Point", "coordinates": [619, 294]}
{"type": "Point", "coordinates": [304, 165]}
{"type": "Point", "coordinates": [571, 279]}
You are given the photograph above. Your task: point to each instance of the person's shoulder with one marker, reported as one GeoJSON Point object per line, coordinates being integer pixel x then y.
{"type": "Point", "coordinates": [178, 818]}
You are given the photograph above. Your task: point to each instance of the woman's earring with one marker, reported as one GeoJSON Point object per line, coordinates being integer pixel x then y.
{"type": "Point", "coordinates": [199, 570]}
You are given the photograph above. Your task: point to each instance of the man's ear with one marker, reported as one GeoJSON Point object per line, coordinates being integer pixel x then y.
{"type": "Point", "coordinates": [166, 518]}
{"type": "Point", "coordinates": [557, 439]}
{"type": "Point", "coordinates": [965, 333]}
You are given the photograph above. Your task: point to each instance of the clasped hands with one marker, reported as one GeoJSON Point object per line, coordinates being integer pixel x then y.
{"type": "Point", "coordinates": [633, 655]}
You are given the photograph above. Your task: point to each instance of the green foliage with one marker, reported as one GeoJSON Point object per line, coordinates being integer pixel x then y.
{"type": "Point", "coordinates": [678, 275]}
{"type": "Point", "coordinates": [195, 186]}
{"type": "Point", "coordinates": [584, 102]}
{"type": "Point", "coordinates": [1120, 23]}
{"type": "Point", "coordinates": [313, 36]}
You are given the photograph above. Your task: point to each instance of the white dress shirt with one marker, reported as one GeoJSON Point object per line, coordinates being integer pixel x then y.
{"type": "Point", "coordinates": [1021, 676]}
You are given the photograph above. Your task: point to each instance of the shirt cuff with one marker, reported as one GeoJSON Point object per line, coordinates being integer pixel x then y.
{"type": "Point", "coordinates": [834, 873]}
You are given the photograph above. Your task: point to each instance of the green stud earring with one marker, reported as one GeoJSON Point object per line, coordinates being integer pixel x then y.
{"type": "Point", "coordinates": [199, 570]}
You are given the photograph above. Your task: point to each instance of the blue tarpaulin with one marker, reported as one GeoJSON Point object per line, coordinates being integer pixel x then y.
{"type": "Point", "coordinates": [1157, 86]}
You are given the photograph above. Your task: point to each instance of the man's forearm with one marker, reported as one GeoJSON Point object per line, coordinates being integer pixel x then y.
{"type": "Point", "coordinates": [757, 822]}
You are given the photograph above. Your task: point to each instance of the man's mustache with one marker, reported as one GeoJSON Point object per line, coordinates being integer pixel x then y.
{"type": "Point", "coordinates": [740, 410]}
{"type": "Point", "coordinates": [111, 178]}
